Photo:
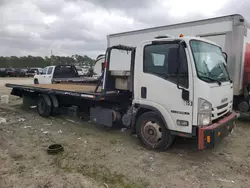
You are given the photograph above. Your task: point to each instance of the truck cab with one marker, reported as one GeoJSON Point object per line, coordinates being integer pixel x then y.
{"type": "Point", "coordinates": [183, 83]}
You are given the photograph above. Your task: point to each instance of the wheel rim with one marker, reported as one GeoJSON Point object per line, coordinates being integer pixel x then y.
{"type": "Point", "coordinates": [152, 132]}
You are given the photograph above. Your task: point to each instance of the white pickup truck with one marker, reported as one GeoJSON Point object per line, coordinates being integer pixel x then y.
{"type": "Point", "coordinates": [60, 74]}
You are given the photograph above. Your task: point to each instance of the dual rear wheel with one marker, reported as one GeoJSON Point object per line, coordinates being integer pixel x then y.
{"type": "Point", "coordinates": [44, 106]}
{"type": "Point", "coordinates": [47, 105]}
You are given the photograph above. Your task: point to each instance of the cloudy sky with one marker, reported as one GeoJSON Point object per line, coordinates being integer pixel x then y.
{"type": "Point", "coordinates": [34, 27]}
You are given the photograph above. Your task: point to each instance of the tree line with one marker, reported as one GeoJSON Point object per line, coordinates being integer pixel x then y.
{"type": "Point", "coordinates": [38, 61]}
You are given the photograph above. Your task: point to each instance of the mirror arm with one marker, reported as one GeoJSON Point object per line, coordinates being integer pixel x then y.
{"type": "Point", "coordinates": [226, 56]}
{"type": "Point", "coordinates": [178, 62]}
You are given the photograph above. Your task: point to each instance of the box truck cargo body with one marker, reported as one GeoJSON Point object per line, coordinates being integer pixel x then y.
{"type": "Point", "coordinates": [231, 33]}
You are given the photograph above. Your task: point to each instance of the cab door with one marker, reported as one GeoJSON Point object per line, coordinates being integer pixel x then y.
{"type": "Point", "coordinates": [163, 81]}
{"type": "Point", "coordinates": [42, 77]}
{"type": "Point", "coordinates": [49, 75]}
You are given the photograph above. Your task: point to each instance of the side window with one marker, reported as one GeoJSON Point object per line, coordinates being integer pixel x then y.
{"type": "Point", "coordinates": [50, 70]}
{"type": "Point", "coordinates": [45, 70]}
{"type": "Point", "coordinates": [161, 60]}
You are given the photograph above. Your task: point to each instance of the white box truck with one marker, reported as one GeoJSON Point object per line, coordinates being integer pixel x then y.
{"type": "Point", "coordinates": [160, 87]}
{"type": "Point", "coordinates": [231, 33]}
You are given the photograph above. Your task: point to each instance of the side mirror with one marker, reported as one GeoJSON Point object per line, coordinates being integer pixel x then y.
{"type": "Point", "coordinates": [225, 56]}
{"type": "Point", "coordinates": [185, 95]}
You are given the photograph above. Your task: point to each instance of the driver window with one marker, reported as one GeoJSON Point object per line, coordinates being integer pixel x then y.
{"type": "Point", "coordinates": [45, 70]}
{"type": "Point", "coordinates": [161, 60]}
{"type": "Point", "coordinates": [50, 70]}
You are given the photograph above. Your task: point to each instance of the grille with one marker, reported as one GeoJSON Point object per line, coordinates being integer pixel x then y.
{"type": "Point", "coordinates": [219, 114]}
{"type": "Point", "coordinates": [222, 106]}
{"type": "Point", "coordinates": [221, 110]}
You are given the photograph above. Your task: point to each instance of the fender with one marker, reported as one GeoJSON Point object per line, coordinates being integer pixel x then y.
{"type": "Point", "coordinates": [147, 107]}
{"type": "Point", "coordinates": [36, 77]}
{"type": "Point", "coordinates": [151, 108]}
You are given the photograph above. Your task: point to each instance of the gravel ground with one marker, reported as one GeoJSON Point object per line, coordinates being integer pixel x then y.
{"type": "Point", "coordinates": [3, 81]}
{"type": "Point", "coordinates": [94, 157]}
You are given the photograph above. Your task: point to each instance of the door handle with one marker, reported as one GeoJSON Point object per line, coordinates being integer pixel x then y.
{"type": "Point", "coordinates": [143, 92]}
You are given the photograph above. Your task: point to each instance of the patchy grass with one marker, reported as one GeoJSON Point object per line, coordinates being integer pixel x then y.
{"type": "Point", "coordinates": [101, 174]}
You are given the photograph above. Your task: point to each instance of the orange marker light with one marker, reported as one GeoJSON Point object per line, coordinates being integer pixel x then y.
{"type": "Point", "coordinates": [208, 139]}
{"type": "Point", "coordinates": [219, 133]}
{"type": "Point", "coordinates": [181, 35]}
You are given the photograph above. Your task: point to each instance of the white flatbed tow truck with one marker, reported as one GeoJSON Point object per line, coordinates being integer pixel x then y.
{"type": "Point", "coordinates": [166, 92]}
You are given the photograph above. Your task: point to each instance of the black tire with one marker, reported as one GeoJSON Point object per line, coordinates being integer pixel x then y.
{"type": "Point", "coordinates": [36, 81]}
{"type": "Point", "coordinates": [44, 106]}
{"type": "Point", "coordinates": [55, 106]}
{"type": "Point", "coordinates": [55, 148]}
{"type": "Point", "coordinates": [147, 128]}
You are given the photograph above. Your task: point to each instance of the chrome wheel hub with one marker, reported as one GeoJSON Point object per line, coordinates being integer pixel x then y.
{"type": "Point", "coordinates": [152, 132]}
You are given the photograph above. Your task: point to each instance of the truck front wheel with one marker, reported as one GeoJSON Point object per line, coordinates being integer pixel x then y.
{"type": "Point", "coordinates": [152, 132]}
{"type": "Point", "coordinates": [44, 106]}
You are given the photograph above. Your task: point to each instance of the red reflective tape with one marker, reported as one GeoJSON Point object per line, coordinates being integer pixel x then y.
{"type": "Point", "coordinates": [182, 134]}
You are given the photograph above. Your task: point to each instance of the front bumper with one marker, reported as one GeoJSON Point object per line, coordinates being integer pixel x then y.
{"type": "Point", "coordinates": [210, 136]}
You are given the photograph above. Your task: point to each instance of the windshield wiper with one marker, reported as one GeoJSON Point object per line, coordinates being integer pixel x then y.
{"type": "Point", "coordinates": [211, 79]}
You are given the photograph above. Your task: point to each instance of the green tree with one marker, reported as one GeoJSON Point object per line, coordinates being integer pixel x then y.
{"type": "Point", "coordinates": [38, 61]}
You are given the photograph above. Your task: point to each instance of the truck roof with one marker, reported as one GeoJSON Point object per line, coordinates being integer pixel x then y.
{"type": "Point", "coordinates": [184, 24]}
{"type": "Point", "coordinates": [186, 38]}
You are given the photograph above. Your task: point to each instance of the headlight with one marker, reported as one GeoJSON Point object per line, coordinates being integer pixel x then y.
{"type": "Point", "coordinates": [204, 112]}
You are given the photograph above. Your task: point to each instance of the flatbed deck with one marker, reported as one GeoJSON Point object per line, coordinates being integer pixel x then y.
{"type": "Point", "coordinates": [76, 90]}
{"type": "Point", "coordinates": [67, 87]}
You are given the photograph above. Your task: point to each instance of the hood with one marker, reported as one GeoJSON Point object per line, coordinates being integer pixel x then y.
{"type": "Point", "coordinates": [222, 99]}
{"type": "Point", "coordinates": [220, 95]}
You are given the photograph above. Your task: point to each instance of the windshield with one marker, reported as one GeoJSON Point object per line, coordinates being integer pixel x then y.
{"type": "Point", "coordinates": [210, 62]}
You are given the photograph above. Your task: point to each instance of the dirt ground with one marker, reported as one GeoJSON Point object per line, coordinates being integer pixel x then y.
{"type": "Point", "coordinates": [94, 157]}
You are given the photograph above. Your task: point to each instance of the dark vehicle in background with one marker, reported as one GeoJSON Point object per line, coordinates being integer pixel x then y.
{"type": "Point", "coordinates": [19, 72]}
{"type": "Point", "coordinates": [10, 72]}
{"type": "Point", "coordinates": [2, 72]}
{"type": "Point", "coordinates": [33, 71]}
